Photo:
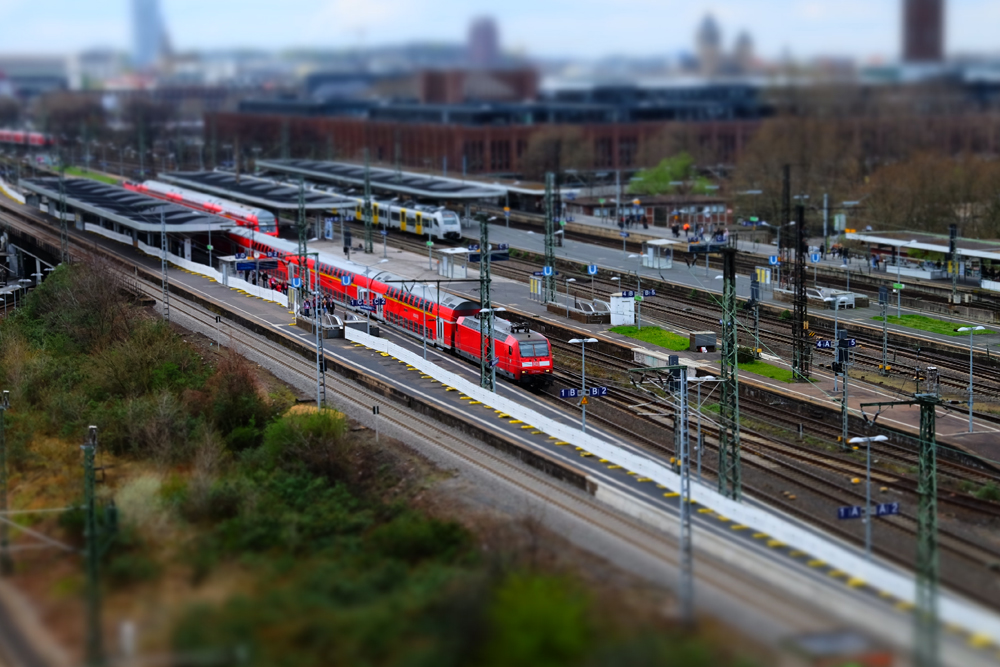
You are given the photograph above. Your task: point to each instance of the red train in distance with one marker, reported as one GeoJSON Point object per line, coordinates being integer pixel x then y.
{"type": "Point", "coordinates": [23, 138]}
{"type": "Point", "coordinates": [258, 219]}
{"type": "Point", "coordinates": [523, 356]}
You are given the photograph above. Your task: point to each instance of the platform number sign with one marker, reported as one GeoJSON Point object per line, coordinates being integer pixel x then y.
{"type": "Point", "coordinates": [856, 512]}
{"type": "Point", "coordinates": [473, 247]}
{"type": "Point", "coordinates": [814, 257]}
{"type": "Point", "coordinates": [624, 235]}
{"type": "Point", "coordinates": [271, 254]}
{"type": "Point", "coordinates": [240, 255]}
{"type": "Point", "coordinates": [592, 270]}
{"type": "Point", "coordinates": [493, 364]}
{"type": "Point", "coordinates": [503, 246]}
{"type": "Point", "coordinates": [824, 344]}
{"type": "Point", "coordinates": [345, 281]}
{"type": "Point", "coordinates": [773, 260]}
{"type": "Point", "coordinates": [575, 392]}
{"type": "Point", "coordinates": [628, 293]}
{"type": "Point", "coordinates": [649, 292]}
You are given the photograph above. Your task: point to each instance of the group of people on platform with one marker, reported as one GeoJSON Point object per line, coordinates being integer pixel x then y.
{"type": "Point", "coordinates": [324, 304]}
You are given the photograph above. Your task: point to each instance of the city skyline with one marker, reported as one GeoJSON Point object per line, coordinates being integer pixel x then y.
{"type": "Point", "coordinates": [809, 28]}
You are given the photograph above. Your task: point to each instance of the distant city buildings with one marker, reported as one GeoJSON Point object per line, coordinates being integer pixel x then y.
{"type": "Point", "coordinates": [149, 34]}
{"type": "Point", "coordinates": [923, 31]}
{"type": "Point", "coordinates": [484, 43]}
{"type": "Point", "coordinates": [712, 58]}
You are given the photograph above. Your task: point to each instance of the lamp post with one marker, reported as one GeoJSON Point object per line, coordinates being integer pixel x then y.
{"type": "Point", "coordinates": [972, 332]}
{"type": "Point", "coordinates": [583, 377]}
{"type": "Point", "coordinates": [568, 281]}
{"type": "Point", "coordinates": [867, 441]}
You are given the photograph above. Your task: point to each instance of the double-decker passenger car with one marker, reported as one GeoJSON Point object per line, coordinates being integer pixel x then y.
{"type": "Point", "coordinates": [258, 219]}
{"type": "Point", "coordinates": [449, 322]}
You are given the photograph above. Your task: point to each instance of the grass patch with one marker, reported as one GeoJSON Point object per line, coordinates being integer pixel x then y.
{"type": "Point", "coordinates": [654, 336]}
{"type": "Point", "coordinates": [768, 370]}
{"type": "Point", "coordinates": [931, 324]}
{"type": "Point", "coordinates": [93, 175]}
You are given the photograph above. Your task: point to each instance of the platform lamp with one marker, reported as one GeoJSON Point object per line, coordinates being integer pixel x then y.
{"type": "Point", "coordinates": [972, 332]}
{"type": "Point", "coordinates": [568, 281]}
{"type": "Point", "coordinates": [867, 441]}
{"type": "Point", "coordinates": [582, 342]}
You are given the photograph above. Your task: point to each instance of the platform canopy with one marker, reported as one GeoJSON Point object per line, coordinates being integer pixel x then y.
{"type": "Point", "coordinates": [256, 191]}
{"type": "Point", "coordinates": [129, 209]}
{"type": "Point", "coordinates": [930, 242]}
{"type": "Point", "coordinates": [386, 180]}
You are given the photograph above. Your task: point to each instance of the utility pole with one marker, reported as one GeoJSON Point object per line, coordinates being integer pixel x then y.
{"type": "Point", "coordinates": [285, 152]}
{"type": "Point", "coordinates": [786, 204]}
{"type": "Point", "coordinates": [800, 347]}
{"type": "Point", "coordinates": [683, 450]}
{"type": "Point", "coordinates": [487, 371]}
{"type": "Point", "coordinates": [93, 550]}
{"type": "Point", "coordinates": [550, 239]}
{"type": "Point", "coordinates": [826, 215]}
{"type": "Point", "coordinates": [369, 246]}
{"type": "Point", "coordinates": [730, 483]}
{"type": "Point", "coordinates": [302, 228]}
{"type": "Point", "coordinates": [953, 257]}
{"type": "Point", "coordinates": [6, 565]}
{"type": "Point", "coordinates": [755, 306]}
{"type": "Point", "coordinates": [320, 354]}
{"type": "Point", "coordinates": [163, 266]}
{"type": "Point", "coordinates": [926, 628]}
{"type": "Point", "coordinates": [63, 228]}
{"type": "Point", "coordinates": [883, 302]}
{"type": "Point", "coordinates": [844, 359]}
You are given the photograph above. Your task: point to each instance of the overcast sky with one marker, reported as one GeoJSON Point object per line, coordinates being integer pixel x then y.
{"type": "Point", "coordinates": [578, 28]}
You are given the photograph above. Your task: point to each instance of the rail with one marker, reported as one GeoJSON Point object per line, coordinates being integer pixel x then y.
{"type": "Point", "coordinates": [953, 609]}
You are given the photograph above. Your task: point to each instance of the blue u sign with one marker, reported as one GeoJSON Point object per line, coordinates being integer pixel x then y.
{"type": "Point", "coordinates": [814, 257]}
{"type": "Point", "coordinates": [773, 260]}
{"type": "Point", "coordinates": [546, 270]}
{"type": "Point", "coordinates": [592, 270]}
{"type": "Point", "coordinates": [345, 281]}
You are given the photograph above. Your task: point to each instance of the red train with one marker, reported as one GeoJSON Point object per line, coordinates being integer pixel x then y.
{"type": "Point", "coordinates": [261, 220]}
{"type": "Point", "coordinates": [524, 356]}
{"type": "Point", "coordinates": [22, 138]}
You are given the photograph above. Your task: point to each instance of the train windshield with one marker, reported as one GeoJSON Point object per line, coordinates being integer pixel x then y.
{"type": "Point", "coordinates": [449, 218]}
{"type": "Point", "coordinates": [265, 223]}
{"type": "Point", "coordinates": [535, 349]}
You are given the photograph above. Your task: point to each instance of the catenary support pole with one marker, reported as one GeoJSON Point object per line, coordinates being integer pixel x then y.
{"type": "Point", "coordinates": [550, 236]}
{"type": "Point", "coordinates": [800, 342]}
{"type": "Point", "coordinates": [94, 648]}
{"type": "Point", "coordinates": [6, 564]}
{"type": "Point", "coordinates": [730, 481]}
{"type": "Point", "coordinates": [369, 247]}
{"type": "Point", "coordinates": [487, 371]}
{"type": "Point", "coordinates": [165, 278]}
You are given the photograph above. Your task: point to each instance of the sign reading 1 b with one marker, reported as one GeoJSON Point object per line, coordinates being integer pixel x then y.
{"type": "Point", "coordinates": [575, 392]}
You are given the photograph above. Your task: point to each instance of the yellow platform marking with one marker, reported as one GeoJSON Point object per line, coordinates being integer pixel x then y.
{"type": "Point", "coordinates": [855, 582]}
{"type": "Point", "coordinates": [837, 573]}
{"type": "Point", "coordinates": [603, 461]}
{"type": "Point", "coordinates": [526, 426]}
{"type": "Point", "coordinates": [516, 421]}
{"type": "Point", "coordinates": [775, 544]}
{"type": "Point", "coordinates": [450, 389]}
{"type": "Point", "coordinates": [885, 595]}
{"type": "Point", "coordinates": [671, 494]}
{"type": "Point", "coordinates": [631, 473]}
{"type": "Point", "coordinates": [465, 398]}
{"type": "Point", "coordinates": [585, 454]}
{"type": "Point", "coordinates": [723, 519]}
{"type": "Point", "coordinates": [739, 527]}
{"type": "Point", "coordinates": [704, 510]}
{"type": "Point", "coordinates": [759, 536]}
{"type": "Point", "coordinates": [561, 442]}
{"type": "Point", "coordinates": [644, 479]}
{"type": "Point", "coordinates": [979, 640]}
{"type": "Point", "coordinates": [474, 403]}
{"type": "Point", "coordinates": [902, 605]}
{"type": "Point", "coordinates": [816, 562]}
{"type": "Point", "coordinates": [795, 553]}
{"type": "Point", "coordinates": [613, 467]}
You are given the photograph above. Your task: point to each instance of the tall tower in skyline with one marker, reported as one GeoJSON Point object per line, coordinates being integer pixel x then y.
{"type": "Point", "coordinates": [923, 31]}
{"type": "Point", "coordinates": [484, 42]}
{"type": "Point", "coordinates": [709, 44]}
{"type": "Point", "coordinates": [148, 33]}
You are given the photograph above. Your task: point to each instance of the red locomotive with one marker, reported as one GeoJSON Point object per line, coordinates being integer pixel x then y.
{"type": "Point", "coordinates": [524, 356]}
{"type": "Point", "coordinates": [22, 138]}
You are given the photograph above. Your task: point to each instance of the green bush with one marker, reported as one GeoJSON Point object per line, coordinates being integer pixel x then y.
{"type": "Point", "coordinates": [412, 537]}
{"type": "Point", "coordinates": [744, 355]}
{"type": "Point", "coordinates": [315, 439]}
{"type": "Point", "coordinates": [538, 620]}
{"type": "Point", "coordinates": [989, 492]}
{"type": "Point", "coordinates": [235, 398]}
{"type": "Point", "coordinates": [132, 568]}
{"type": "Point", "coordinates": [785, 315]}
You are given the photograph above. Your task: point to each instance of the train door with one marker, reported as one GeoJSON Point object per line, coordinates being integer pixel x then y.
{"type": "Point", "coordinates": [358, 212]}
{"type": "Point", "coordinates": [374, 213]}
{"type": "Point", "coordinates": [420, 223]}
{"type": "Point", "coordinates": [402, 219]}
{"type": "Point", "coordinates": [440, 332]}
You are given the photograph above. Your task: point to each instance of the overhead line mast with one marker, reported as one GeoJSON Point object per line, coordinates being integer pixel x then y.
{"type": "Point", "coordinates": [549, 284]}
{"type": "Point", "coordinates": [730, 481]}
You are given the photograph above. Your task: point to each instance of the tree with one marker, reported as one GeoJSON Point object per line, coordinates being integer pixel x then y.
{"type": "Point", "coordinates": [71, 116]}
{"type": "Point", "coordinates": [673, 174]}
{"type": "Point", "coordinates": [10, 111]}
{"type": "Point", "coordinates": [556, 149]}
